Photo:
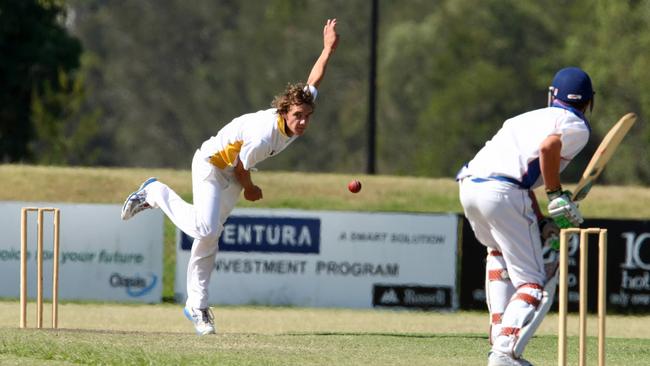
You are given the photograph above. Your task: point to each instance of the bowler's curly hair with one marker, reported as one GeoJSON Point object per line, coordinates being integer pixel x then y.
{"type": "Point", "coordinates": [294, 94]}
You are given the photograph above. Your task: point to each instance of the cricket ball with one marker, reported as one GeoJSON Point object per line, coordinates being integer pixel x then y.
{"type": "Point", "coordinates": [354, 186]}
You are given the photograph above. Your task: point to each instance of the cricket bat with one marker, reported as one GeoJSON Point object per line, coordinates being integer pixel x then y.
{"type": "Point", "coordinates": [602, 155]}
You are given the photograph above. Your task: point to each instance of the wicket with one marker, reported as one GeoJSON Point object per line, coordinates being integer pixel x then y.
{"type": "Point", "coordinates": [39, 266]}
{"type": "Point", "coordinates": [563, 293]}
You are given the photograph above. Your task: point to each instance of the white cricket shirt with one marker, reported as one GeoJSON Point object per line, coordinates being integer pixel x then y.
{"type": "Point", "coordinates": [250, 138]}
{"type": "Point", "coordinates": [514, 151]}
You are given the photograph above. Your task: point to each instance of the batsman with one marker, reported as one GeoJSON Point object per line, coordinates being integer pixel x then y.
{"type": "Point", "coordinates": [496, 192]}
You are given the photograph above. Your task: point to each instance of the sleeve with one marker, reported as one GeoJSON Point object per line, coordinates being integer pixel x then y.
{"type": "Point", "coordinates": [253, 152]}
{"type": "Point", "coordinates": [312, 89]}
{"type": "Point", "coordinates": [574, 138]}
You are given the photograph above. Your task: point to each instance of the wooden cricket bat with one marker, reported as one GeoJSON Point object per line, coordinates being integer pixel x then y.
{"type": "Point", "coordinates": [602, 155]}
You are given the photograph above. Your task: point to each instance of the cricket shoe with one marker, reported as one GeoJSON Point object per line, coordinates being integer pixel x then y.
{"type": "Point", "coordinates": [496, 358]}
{"type": "Point", "coordinates": [136, 201]}
{"type": "Point", "coordinates": [203, 319]}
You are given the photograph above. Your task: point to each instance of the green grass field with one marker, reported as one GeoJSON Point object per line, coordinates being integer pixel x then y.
{"type": "Point", "coordinates": [120, 334]}
{"type": "Point", "coordinates": [127, 334]}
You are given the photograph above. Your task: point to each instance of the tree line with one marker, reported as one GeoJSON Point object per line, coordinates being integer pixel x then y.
{"type": "Point", "coordinates": [142, 83]}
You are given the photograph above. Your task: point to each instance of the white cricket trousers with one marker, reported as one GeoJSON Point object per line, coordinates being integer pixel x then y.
{"type": "Point", "coordinates": [502, 217]}
{"type": "Point", "coordinates": [214, 196]}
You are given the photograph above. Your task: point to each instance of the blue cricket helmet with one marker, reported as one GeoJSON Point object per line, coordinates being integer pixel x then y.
{"type": "Point", "coordinates": [572, 85]}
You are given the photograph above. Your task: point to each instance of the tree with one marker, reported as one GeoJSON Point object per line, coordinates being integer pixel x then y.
{"type": "Point", "coordinates": [171, 73]}
{"type": "Point", "coordinates": [65, 132]}
{"type": "Point", "coordinates": [613, 43]}
{"type": "Point", "coordinates": [453, 77]}
{"type": "Point", "coordinates": [34, 47]}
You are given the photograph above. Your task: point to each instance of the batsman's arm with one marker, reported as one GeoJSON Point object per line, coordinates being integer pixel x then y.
{"type": "Point", "coordinates": [243, 176]}
{"type": "Point", "coordinates": [549, 162]}
{"type": "Point", "coordinates": [330, 41]}
{"type": "Point", "coordinates": [564, 212]}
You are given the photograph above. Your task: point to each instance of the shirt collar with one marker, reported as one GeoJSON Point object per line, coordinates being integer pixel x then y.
{"type": "Point", "coordinates": [560, 104]}
{"type": "Point", "coordinates": [282, 125]}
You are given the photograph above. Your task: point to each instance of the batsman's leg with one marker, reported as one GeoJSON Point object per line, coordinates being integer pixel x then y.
{"type": "Point", "coordinates": [529, 328]}
{"type": "Point", "coordinates": [498, 290]}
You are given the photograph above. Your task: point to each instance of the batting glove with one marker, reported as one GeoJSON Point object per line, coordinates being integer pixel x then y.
{"type": "Point", "coordinates": [563, 210]}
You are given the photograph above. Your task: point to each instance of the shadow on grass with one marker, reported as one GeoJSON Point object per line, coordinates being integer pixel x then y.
{"type": "Point", "coordinates": [398, 335]}
{"type": "Point", "coordinates": [98, 331]}
{"type": "Point", "coordinates": [292, 334]}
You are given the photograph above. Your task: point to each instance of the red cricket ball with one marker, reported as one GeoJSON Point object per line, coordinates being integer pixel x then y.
{"type": "Point", "coordinates": [354, 186]}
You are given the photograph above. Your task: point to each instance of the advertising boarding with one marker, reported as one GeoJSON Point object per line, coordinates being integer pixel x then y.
{"type": "Point", "coordinates": [101, 257]}
{"type": "Point", "coordinates": [331, 259]}
{"type": "Point", "coordinates": [627, 272]}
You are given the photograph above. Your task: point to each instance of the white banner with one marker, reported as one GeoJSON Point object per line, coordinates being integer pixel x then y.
{"type": "Point", "coordinates": [101, 257]}
{"type": "Point", "coordinates": [331, 259]}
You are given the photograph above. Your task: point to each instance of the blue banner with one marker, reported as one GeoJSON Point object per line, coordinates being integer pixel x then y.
{"type": "Point", "coordinates": [267, 235]}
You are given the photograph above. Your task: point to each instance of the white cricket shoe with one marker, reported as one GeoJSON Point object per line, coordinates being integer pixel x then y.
{"type": "Point", "coordinates": [203, 319]}
{"type": "Point", "coordinates": [496, 358]}
{"type": "Point", "coordinates": [136, 201]}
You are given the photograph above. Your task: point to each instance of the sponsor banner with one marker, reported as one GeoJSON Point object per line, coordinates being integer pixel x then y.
{"type": "Point", "coordinates": [101, 257]}
{"type": "Point", "coordinates": [472, 269]}
{"type": "Point", "coordinates": [421, 297]}
{"type": "Point", "coordinates": [330, 259]}
{"type": "Point", "coordinates": [267, 235]}
{"type": "Point", "coordinates": [628, 267]}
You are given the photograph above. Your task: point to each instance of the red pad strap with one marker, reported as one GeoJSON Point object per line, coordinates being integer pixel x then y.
{"type": "Point", "coordinates": [495, 253]}
{"type": "Point", "coordinates": [531, 285]}
{"type": "Point", "coordinates": [497, 274]}
{"type": "Point", "coordinates": [496, 318]}
{"type": "Point", "coordinates": [528, 299]}
{"type": "Point", "coordinates": [507, 331]}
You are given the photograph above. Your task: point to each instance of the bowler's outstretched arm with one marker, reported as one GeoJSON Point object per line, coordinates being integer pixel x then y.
{"type": "Point", "coordinates": [330, 41]}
